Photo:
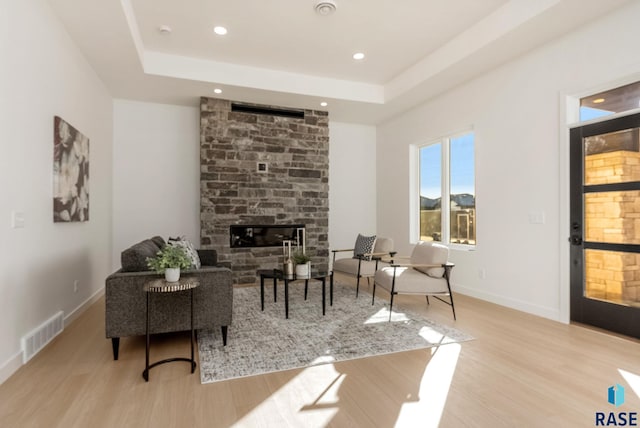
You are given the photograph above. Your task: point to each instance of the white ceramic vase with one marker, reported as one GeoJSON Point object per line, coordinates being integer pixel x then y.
{"type": "Point", "coordinates": [172, 274]}
{"type": "Point", "coordinates": [303, 269]}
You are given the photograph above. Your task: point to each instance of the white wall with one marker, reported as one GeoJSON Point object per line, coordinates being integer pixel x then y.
{"type": "Point", "coordinates": [352, 183]}
{"type": "Point", "coordinates": [156, 173]}
{"type": "Point", "coordinates": [42, 74]}
{"type": "Point", "coordinates": [520, 161]}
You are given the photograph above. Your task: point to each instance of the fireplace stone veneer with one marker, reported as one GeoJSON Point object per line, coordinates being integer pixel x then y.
{"type": "Point", "coordinates": [262, 169]}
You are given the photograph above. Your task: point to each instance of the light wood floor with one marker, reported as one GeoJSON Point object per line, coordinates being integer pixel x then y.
{"type": "Point", "coordinates": [520, 370]}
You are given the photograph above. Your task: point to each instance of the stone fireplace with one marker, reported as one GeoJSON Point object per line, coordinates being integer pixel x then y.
{"type": "Point", "coordinates": [262, 166]}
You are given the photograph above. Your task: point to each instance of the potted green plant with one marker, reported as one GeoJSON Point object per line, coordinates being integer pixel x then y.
{"type": "Point", "coordinates": [303, 263]}
{"type": "Point", "coordinates": [169, 260]}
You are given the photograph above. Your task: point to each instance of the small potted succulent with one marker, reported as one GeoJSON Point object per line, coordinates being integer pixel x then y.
{"type": "Point", "coordinates": [303, 263]}
{"type": "Point", "coordinates": [169, 260]}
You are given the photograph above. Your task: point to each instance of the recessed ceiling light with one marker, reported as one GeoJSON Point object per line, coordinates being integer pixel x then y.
{"type": "Point", "coordinates": [324, 104]}
{"type": "Point", "coordinates": [217, 90]}
{"type": "Point", "coordinates": [598, 100]}
{"type": "Point", "coordinates": [358, 56]}
{"type": "Point", "coordinates": [221, 31]}
{"type": "Point", "coordinates": [164, 29]}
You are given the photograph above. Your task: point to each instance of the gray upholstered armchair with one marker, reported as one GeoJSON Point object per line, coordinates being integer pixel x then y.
{"type": "Point", "coordinates": [362, 263]}
{"type": "Point", "coordinates": [125, 299]}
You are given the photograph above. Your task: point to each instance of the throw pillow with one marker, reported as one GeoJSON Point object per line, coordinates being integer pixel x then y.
{"type": "Point", "coordinates": [159, 241]}
{"type": "Point", "coordinates": [134, 258]}
{"type": "Point", "coordinates": [364, 245]}
{"type": "Point", "coordinates": [188, 248]}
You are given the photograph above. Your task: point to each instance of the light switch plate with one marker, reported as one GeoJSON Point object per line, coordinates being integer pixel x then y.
{"type": "Point", "coordinates": [17, 219]}
{"type": "Point", "coordinates": [537, 217]}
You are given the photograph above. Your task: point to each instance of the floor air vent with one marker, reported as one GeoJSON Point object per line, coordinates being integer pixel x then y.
{"type": "Point", "coordinates": [244, 108]}
{"type": "Point", "coordinates": [38, 338]}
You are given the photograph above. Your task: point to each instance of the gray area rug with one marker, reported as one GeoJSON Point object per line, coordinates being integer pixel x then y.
{"type": "Point", "coordinates": [261, 342]}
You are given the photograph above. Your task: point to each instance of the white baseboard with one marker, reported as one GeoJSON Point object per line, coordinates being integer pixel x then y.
{"type": "Point", "coordinates": [10, 367]}
{"type": "Point", "coordinates": [83, 307]}
{"type": "Point", "coordinates": [542, 311]}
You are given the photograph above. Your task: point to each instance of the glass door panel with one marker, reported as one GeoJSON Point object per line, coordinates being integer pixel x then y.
{"type": "Point", "coordinates": [612, 217]}
{"type": "Point", "coordinates": [613, 276]}
{"type": "Point", "coordinates": [612, 157]}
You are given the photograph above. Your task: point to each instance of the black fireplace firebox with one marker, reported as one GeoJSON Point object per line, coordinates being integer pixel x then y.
{"type": "Point", "coordinates": [251, 236]}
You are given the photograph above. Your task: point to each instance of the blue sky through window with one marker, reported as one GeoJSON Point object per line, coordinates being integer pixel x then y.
{"type": "Point", "coordinates": [431, 171]}
{"type": "Point", "coordinates": [462, 155]}
{"type": "Point", "coordinates": [462, 169]}
{"type": "Point", "coordinates": [588, 113]}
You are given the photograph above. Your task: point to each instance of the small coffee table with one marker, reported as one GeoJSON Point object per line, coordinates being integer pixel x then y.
{"type": "Point", "coordinates": [161, 286]}
{"type": "Point", "coordinates": [277, 274]}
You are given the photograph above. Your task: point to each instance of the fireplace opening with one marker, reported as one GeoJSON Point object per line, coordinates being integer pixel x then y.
{"type": "Point", "coordinates": [252, 236]}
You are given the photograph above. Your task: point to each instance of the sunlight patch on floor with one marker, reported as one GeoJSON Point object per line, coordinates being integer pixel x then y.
{"type": "Point", "coordinates": [431, 335]}
{"type": "Point", "coordinates": [312, 400]}
{"type": "Point", "coordinates": [632, 379]}
{"type": "Point", "coordinates": [427, 410]}
{"type": "Point", "coordinates": [323, 359]}
{"type": "Point", "coordinates": [383, 316]}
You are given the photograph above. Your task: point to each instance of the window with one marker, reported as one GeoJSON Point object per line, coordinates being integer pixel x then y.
{"type": "Point", "coordinates": [610, 102]}
{"type": "Point", "coordinates": [447, 190]}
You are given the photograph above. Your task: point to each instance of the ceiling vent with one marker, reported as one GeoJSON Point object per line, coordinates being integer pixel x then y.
{"type": "Point", "coordinates": [245, 108]}
{"type": "Point", "coordinates": [325, 7]}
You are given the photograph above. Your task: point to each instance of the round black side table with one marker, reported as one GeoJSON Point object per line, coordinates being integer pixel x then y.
{"type": "Point", "coordinates": [162, 286]}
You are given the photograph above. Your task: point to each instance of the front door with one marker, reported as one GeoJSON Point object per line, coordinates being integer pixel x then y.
{"type": "Point", "coordinates": [605, 224]}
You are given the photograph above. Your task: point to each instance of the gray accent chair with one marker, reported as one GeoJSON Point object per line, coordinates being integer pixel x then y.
{"type": "Point", "coordinates": [125, 298]}
{"type": "Point", "coordinates": [426, 272]}
{"type": "Point", "coordinates": [362, 265]}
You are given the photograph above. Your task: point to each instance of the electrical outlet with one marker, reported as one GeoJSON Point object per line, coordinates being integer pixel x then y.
{"type": "Point", "coordinates": [75, 285]}
{"type": "Point", "coordinates": [482, 273]}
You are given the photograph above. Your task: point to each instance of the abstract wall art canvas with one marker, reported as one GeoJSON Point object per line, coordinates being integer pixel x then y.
{"type": "Point", "coordinates": [70, 173]}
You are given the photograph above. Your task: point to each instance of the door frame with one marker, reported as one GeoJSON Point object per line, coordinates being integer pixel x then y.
{"type": "Point", "coordinates": [569, 119]}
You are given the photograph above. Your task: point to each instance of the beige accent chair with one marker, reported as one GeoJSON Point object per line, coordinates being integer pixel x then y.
{"type": "Point", "coordinates": [427, 272]}
{"type": "Point", "coordinates": [362, 265]}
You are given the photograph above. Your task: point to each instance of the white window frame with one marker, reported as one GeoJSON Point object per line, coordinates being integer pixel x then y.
{"type": "Point", "coordinates": [445, 201]}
